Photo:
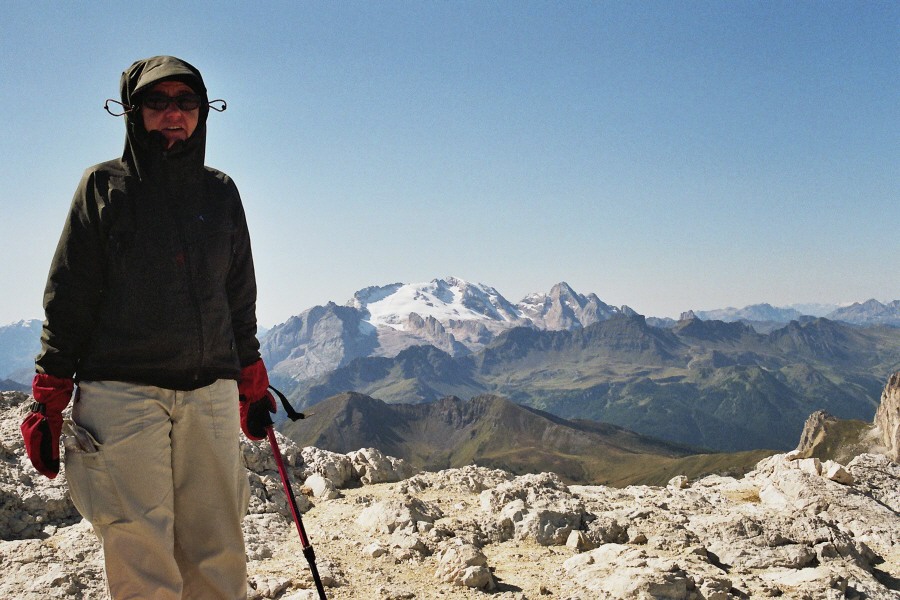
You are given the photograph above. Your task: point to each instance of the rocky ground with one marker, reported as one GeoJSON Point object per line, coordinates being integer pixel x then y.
{"type": "Point", "coordinates": [792, 528]}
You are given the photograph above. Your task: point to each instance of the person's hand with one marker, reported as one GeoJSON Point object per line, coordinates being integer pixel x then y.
{"type": "Point", "coordinates": [256, 401]}
{"type": "Point", "coordinates": [43, 425]}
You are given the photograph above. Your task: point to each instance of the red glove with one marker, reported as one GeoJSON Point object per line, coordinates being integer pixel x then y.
{"type": "Point", "coordinates": [43, 425]}
{"type": "Point", "coordinates": [256, 400]}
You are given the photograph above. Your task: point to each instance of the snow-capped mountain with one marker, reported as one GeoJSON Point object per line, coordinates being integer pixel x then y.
{"type": "Point", "coordinates": [449, 299]}
{"type": "Point", "coordinates": [451, 314]}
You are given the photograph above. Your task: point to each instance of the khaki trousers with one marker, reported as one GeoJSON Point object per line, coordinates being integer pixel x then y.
{"type": "Point", "coordinates": [166, 489]}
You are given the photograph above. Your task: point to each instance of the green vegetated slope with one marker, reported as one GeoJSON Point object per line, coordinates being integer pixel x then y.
{"type": "Point", "coordinates": [702, 383]}
{"type": "Point", "coordinates": [492, 431]}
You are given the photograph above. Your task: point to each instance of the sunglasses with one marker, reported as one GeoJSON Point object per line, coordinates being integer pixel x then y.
{"type": "Point", "coordinates": [185, 102]}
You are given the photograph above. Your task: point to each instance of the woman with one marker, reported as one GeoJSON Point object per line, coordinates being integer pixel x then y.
{"type": "Point", "coordinates": [150, 309]}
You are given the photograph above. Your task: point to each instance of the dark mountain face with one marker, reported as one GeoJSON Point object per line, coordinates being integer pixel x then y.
{"type": "Point", "coordinates": [821, 339]}
{"type": "Point", "coordinates": [8, 385]}
{"type": "Point", "coordinates": [427, 362]}
{"type": "Point", "coordinates": [712, 384]}
{"type": "Point", "coordinates": [620, 338]}
{"type": "Point", "coordinates": [486, 430]}
{"type": "Point", "coordinates": [713, 331]}
{"type": "Point", "coordinates": [630, 338]}
{"type": "Point", "coordinates": [317, 341]}
{"type": "Point", "coordinates": [418, 374]}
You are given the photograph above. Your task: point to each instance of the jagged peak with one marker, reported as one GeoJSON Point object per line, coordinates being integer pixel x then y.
{"type": "Point", "coordinates": [562, 288]}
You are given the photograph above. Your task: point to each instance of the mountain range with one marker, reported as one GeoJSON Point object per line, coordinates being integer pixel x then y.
{"type": "Point", "coordinates": [744, 380]}
{"type": "Point", "coordinates": [461, 318]}
{"type": "Point", "coordinates": [451, 314]}
{"type": "Point", "coordinates": [711, 384]}
{"type": "Point", "coordinates": [765, 317]}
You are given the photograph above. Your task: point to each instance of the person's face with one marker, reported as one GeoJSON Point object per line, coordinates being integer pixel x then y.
{"type": "Point", "coordinates": [174, 123]}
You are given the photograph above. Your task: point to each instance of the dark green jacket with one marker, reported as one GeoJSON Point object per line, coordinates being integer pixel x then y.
{"type": "Point", "coordinates": [152, 281]}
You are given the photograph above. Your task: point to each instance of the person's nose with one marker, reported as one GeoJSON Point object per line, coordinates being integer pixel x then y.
{"type": "Point", "coordinates": [172, 110]}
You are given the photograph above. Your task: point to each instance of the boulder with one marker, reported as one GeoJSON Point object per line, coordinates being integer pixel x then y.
{"type": "Point", "coordinates": [623, 571]}
{"type": "Point", "coordinates": [462, 564]}
{"type": "Point", "coordinates": [679, 482]}
{"type": "Point", "coordinates": [836, 472]}
{"type": "Point", "coordinates": [336, 468]}
{"type": "Point", "coordinates": [539, 507]}
{"type": "Point", "coordinates": [400, 514]}
{"type": "Point", "coordinates": [371, 466]}
{"type": "Point", "coordinates": [321, 487]}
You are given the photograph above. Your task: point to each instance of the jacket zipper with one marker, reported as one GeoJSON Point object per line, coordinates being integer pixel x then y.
{"type": "Point", "coordinates": [192, 292]}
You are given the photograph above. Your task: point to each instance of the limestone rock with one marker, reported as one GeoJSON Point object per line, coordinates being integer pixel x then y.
{"type": "Point", "coordinates": [679, 482]}
{"type": "Point", "coordinates": [814, 431]}
{"type": "Point", "coordinates": [471, 479]}
{"type": "Point", "coordinates": [887, 417]}
{"type": "Point", "coordinates": [539, 507]}
{"type": "Point", "coordinates": [622, 571]}
{"type": "Point", "coordinates": [579, 540]}
{"type": "Point", "coordinates": [402, 514]}
{"type": "Point", "coordinates": [836, 472]}
{"type": "Point", "coordinates": [375, 550]}
{"type": "Point", "coordinates": [335, 467]}
{"type": "Point", "coordinates": [462, 564]}
{"type": "Point", "coordinates": [321, 487]}
{"type": "Point", "coordinates": [31, 506]}
{"type": "Point", "coordinates": [371, 466]}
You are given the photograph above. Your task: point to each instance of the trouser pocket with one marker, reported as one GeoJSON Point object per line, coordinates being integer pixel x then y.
{"type": "Point", "coordinates": [91, 487]}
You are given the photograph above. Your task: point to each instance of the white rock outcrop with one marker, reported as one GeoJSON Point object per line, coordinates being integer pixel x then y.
{"type": "Point", "coordinates": [887, 417]}
{"type": "Point", "coordinates": [371, 466]}
{"type": "Point", "coordinates": [463, 564]}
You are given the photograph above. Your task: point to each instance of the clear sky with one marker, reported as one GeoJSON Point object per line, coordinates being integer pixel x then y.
{"type": "Point", "coordinates": [664, 155]}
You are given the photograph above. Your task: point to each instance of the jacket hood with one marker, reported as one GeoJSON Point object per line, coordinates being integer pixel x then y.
{"type": "Point", "coordinates": [143, 150]}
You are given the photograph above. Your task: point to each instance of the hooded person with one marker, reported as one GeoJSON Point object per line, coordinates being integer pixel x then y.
{"type": "Point", "coordinates": [150, 325]}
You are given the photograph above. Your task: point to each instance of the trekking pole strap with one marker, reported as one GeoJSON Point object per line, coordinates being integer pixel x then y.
{"type": "Point", "coordinates": [292, 414]}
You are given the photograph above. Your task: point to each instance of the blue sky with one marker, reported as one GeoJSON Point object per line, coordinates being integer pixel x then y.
{"type": "Point", "coordinates": [664, 155]}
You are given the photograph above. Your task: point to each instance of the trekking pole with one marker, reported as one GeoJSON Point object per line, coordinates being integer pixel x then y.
{"type": "Point", "coordinates": [308, 551]}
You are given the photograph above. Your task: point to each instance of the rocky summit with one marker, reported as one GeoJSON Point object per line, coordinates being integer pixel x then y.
{"type": "Point", "coordinates": [793, 527]}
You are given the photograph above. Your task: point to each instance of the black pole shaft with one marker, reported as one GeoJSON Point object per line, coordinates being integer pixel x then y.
{"type": "Point", "coordinates": [308, 551]}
